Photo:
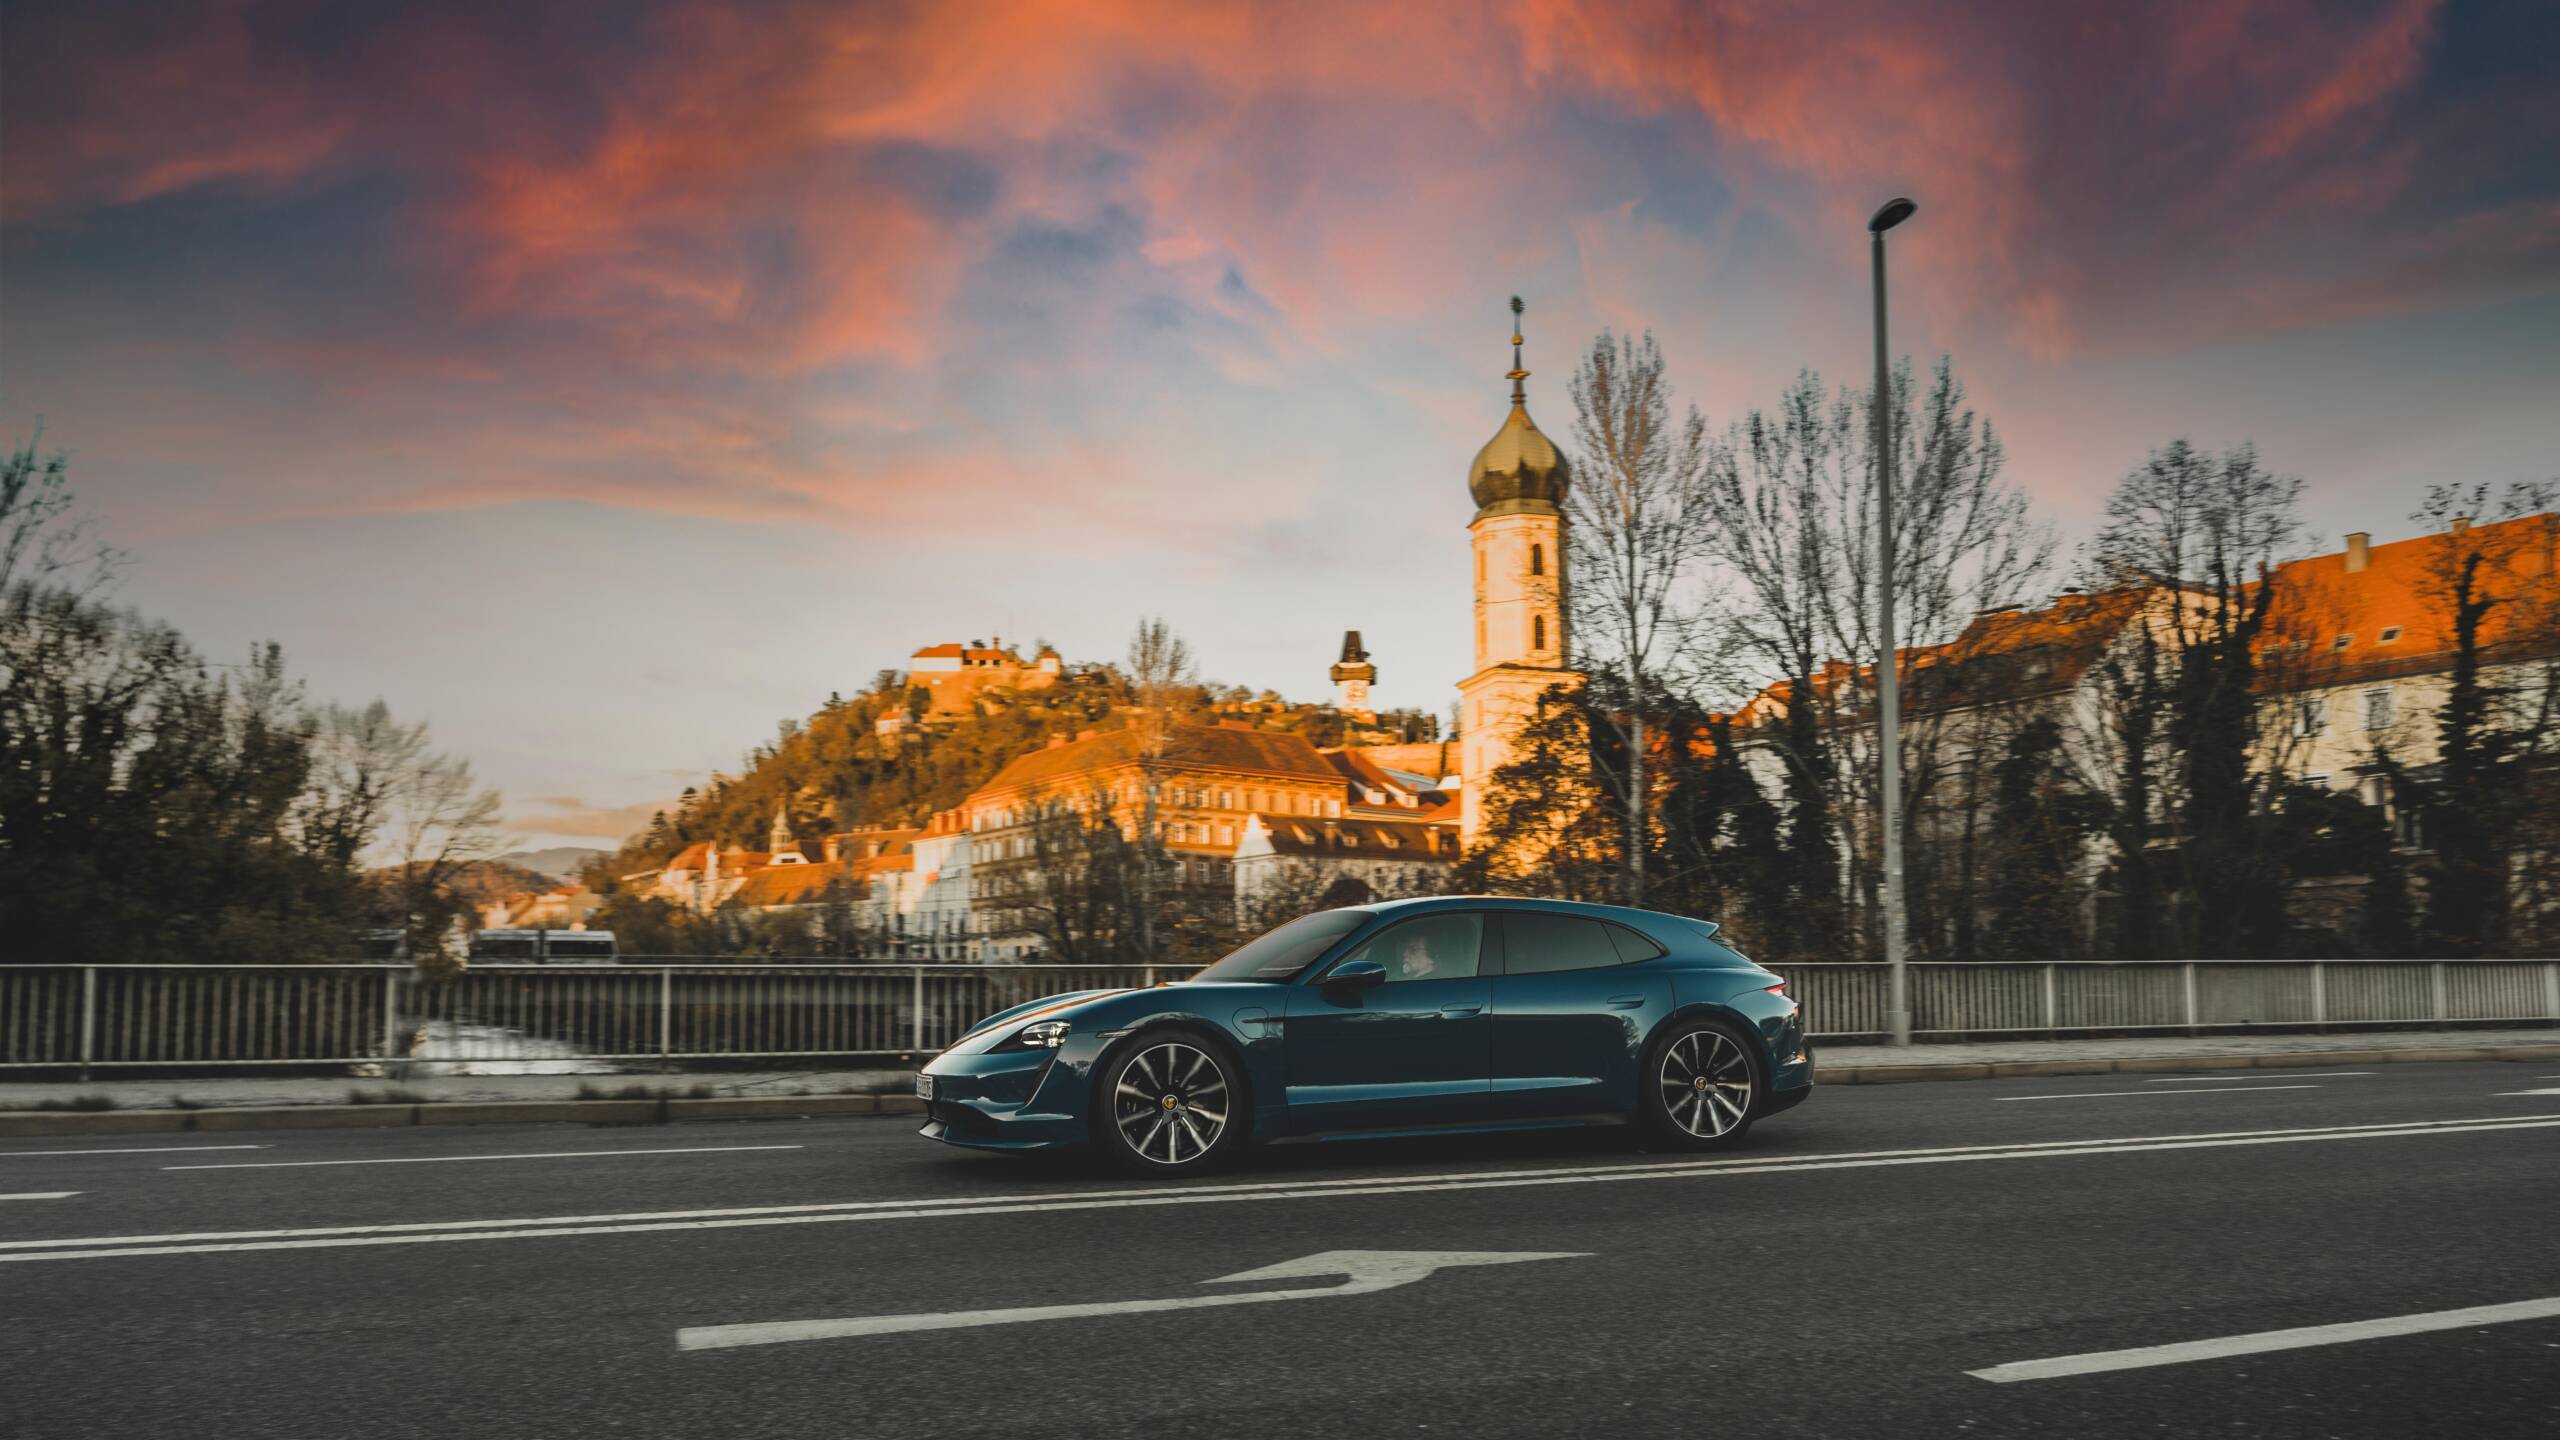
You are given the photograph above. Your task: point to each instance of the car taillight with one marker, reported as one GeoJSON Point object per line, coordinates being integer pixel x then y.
{"type": "Point", "coordinates": [1778, 989]}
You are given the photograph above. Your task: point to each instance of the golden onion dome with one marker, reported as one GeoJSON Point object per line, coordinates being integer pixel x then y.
{"type": "Point", "coordinates": [1519, 470]}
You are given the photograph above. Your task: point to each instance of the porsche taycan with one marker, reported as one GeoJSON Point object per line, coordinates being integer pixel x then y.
{"type": "Point", "coordinates": [1406, 1017]}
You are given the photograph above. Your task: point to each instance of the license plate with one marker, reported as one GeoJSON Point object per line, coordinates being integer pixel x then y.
{"type": "Point", "coordinates": [924, 1086]}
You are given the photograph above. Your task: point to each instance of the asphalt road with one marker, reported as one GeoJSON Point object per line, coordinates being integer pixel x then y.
{"type": "Point", "coordinates": [1845, 1275]}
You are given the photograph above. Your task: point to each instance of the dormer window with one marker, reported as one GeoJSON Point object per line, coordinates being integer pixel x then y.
{"type": "Point", "coordinates": [2341, 643]}
{"type": "Point", "coordinates": [2390, 633]}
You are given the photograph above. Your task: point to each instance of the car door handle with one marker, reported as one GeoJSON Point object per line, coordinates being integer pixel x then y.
{"type": "Point", "coordinates": [1459, 1012]}
{"type": "Point", "coordinates": [1626, 1002]}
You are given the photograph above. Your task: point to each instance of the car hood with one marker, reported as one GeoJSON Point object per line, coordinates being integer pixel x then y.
{"type": "Point", "coordinates": [1114, 1008]}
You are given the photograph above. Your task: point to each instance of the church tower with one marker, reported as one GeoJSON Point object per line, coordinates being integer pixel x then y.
{"type": "Point", "coordinates": [780, 848]}
{"type": "Point", "coordinates": [1352, 677]}
{"type": "Point", "coordinates": [1518, 482]}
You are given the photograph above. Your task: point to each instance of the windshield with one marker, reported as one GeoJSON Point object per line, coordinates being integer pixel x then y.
{"type": "Point", "coordinates": [1276, 956]}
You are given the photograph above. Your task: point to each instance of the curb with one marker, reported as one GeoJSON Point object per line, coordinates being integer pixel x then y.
{"type": "Point", "coordinates": [2149, 1064]}
{"type": "Point", "coordinates": [28, 1124]}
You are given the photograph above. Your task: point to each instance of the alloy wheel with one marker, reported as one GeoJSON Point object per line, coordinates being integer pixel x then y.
{"type": "Point", "coordinates": [1706, 1083]}
{"type": "Point", "coordinates": [1171, 1103]}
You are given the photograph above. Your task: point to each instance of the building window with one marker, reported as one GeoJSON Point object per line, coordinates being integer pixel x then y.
{"type": "Point", "coordinates": [2371, 790]}
{"type": "Point", "coordinates": [2390, 633]}
{"type": "Point", "coordinates": [2378, 711]}
{"type": "Point", "coordinates": [2310, 717]}
{"type": "Point", "coordinates": [1538, 632]}
{"type": "Point", "coordinates": [2342, 642]}
{"type": "Point", "coordinates": [1537, 559]}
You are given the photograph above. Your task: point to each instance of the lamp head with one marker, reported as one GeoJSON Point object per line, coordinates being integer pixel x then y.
{"type": "Point", "coordinates": [1895, 211]}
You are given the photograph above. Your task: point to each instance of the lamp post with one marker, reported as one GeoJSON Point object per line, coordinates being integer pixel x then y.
{"type": "Point", "coordinates": [1888, 664]}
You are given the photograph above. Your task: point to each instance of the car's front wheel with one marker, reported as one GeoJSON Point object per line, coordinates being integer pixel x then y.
{"type": "Point", "coordinates": [1169, 1104]}
{"type": "Point", "coordinates": [1703, 1087]}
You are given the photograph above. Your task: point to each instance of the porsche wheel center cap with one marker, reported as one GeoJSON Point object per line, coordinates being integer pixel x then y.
{"type": "Point", "coordinates": [1173, 1102]}
{"type": "Point", "coordinates": [1699, 1083]}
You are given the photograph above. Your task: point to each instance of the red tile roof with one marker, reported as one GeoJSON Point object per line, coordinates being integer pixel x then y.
{"type": "Point", "coordinates": [790, 884]}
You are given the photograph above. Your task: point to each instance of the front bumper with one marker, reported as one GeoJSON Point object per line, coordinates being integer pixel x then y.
{"type": "Point", "coordinates": [1007, 1100]}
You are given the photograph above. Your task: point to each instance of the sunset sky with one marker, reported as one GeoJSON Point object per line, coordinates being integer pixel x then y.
{"type": "Point", "coordinates": [606, 382]}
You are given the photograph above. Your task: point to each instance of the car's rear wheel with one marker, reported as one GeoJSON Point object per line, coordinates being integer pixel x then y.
{"type": "Point", "coordinates": [1169, 1104]}
{"type": "Point", "coordinates": [1704, 1086]}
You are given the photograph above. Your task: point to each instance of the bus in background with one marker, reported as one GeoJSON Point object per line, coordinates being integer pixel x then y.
{"type": "Point", "coordinates": [543, 947]}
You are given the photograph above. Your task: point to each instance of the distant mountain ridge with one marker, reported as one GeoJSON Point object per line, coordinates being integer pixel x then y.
{"type": "Point", "coordinates": [560, 862]}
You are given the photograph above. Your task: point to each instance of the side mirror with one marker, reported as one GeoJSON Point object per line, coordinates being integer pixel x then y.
{"type": "Point", "coordinates": [1356, 974]}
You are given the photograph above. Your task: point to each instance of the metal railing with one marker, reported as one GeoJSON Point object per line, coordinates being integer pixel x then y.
{"type": "Point", "coordinates": [188, 1016]}
{"type": "Point", "coordinates": [1847, 1001]}
{"type": "Point", "coordinates": [111, 1016]}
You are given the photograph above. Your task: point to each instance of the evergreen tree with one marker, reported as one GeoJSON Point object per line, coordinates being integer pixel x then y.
{"type": "Point", "coordinates": [2041, 824]}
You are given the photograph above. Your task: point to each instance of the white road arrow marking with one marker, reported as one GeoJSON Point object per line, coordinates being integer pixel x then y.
{"type": "Point", "coordinates": [1366, 1272]}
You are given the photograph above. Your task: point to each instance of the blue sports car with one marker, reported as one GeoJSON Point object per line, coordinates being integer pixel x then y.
{"type": "Point", "coordinates": [1406, 1017]}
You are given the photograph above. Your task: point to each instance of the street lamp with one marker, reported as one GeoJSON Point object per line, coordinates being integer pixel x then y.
{"type": "Point", "coordinates": [1888, 664]}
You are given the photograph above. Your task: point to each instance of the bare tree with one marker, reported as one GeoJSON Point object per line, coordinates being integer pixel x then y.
{"type": "Point", "coordinates": [1636, 526]}
{"type": "Point", "coordinates": [1160, 669]}
{"type": "Point", "coordinates": [2208, 531]}
{"type": "Point", "coordinates": [379, 786]}
{"type": "Point", "coordinates": [1793, 505]}
{"type": "Point", "coordinates": [44, 540]}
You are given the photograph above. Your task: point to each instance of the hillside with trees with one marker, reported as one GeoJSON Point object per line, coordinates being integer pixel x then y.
{"type": "Point", "coordinates": [837, 769]}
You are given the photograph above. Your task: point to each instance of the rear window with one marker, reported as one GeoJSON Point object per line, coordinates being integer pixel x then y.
{"type": "Point", "coordinates": [1633, 947]}
{"type": "Point", "coordinates": [1535, 944]}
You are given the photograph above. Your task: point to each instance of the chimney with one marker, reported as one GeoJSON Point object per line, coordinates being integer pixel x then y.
{"type": "Point", "coordinates": [2360, 550]}
{"type": "Point", "coordinates": [2461, 523]}
{"type": "Point", "coordinates": [1057, 740]}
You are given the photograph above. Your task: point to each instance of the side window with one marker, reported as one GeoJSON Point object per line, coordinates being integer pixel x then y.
{"type": "Point", "coordinates": [1534, 944]}
{"type": "Point", "coordinates": [1633, 947]}
{"type": "Point", "coordinates": [1432, 947]}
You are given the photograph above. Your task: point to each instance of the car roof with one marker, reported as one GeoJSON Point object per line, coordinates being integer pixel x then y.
{"type": "Point", "coordinates": [1622, 913]}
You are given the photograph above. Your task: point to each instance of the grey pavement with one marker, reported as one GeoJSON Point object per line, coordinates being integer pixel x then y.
{"type": "Point", "coordinates": [1842, 1275]}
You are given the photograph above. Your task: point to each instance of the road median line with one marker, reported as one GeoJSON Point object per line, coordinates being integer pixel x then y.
{"type": "Point", "coordinates": [438, 1232]}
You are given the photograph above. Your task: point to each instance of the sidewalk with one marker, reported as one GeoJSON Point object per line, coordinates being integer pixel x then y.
{"type": "Point", "coordinates": [267, 1091]}
{"type": "Point", "coordinates": [125, 1106]}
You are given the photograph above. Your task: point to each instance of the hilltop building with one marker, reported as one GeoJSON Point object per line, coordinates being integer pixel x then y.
{"type": "Point", "coordinates": [953, 675]}
{"type": "Point", "coordinates": [1352, 676]}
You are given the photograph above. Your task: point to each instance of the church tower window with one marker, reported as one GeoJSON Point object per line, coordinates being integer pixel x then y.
{"type": "Point", "coordinates": [1538, 632]}
{"type": "Point", "coordinates": [1537, 559]}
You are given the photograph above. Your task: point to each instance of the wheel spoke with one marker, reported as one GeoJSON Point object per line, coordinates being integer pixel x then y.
{"type": "Point", "coordinates": [1134, 1093]}
{"type": "Point", "coordinates": [1214, 1117]}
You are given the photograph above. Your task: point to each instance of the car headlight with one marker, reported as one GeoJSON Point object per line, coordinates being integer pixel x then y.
{"type": "Point", "coordinates": [1047, 1035]}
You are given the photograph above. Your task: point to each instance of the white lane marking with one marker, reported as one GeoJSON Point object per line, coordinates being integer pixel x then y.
{"type": "Point", "coordinates": [1364, 1272]}
{"type": "Point", "coordinates": [439, 1232]}
{"type": "Point", "coordinates": [2553, 1091]}
{"type": "Point", "coordinates": [446, 1159]}
{"type": "Point", "coordinates": [42, 1195]}
{"type": "Point", "coordinates": [145, 1150]}
{"type": "Point", "coordinates": [2273, 1075]}
{"type": "Point", "coordinates": [2306, 1336]}
{"type": "Point", "coordinates": [1349, 1183]}
{"type": "Point", "coordinates": [2156, 1094]}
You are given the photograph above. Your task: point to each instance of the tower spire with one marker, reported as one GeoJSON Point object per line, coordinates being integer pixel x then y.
{"type": "Point", "coordinates": [1519, 396]}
